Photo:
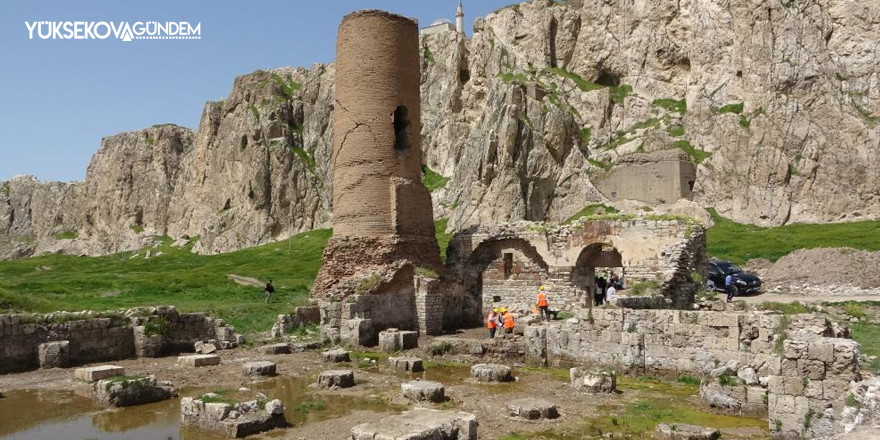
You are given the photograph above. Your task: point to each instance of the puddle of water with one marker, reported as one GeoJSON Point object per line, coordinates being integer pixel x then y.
{"type": "Point", "coordinates": [29, 415]}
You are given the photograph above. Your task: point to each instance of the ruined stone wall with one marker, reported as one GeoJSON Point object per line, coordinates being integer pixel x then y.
{"type": "Point", "coordinates": [657, 178]}
{"type": "Point", "coordinates": [798, 362]}
{"type": "Point", "coordinates": [106, 336]}
{"type": "Point", "coordinates": [663, 250]}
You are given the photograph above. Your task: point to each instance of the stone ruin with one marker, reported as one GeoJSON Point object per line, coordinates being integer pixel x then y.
{"type": "Point", "coordinates": [383, 220]}
{"type": "Point", "coordinates": [227, 418]}
{"type": "Point", "coordinates": [64, 339]}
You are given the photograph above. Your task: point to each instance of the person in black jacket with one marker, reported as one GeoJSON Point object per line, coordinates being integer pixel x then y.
{"type": "Point", "coordinates": [601, 284]}
{"type": "Point", "coordinates": [270, 289]}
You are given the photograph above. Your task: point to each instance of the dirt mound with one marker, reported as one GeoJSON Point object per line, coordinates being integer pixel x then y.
{"type": "Point", "coordinates": [826, 266]}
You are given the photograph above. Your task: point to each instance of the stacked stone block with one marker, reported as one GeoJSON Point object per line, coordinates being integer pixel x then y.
{"type": "Point", "coordinates": [108, 336]}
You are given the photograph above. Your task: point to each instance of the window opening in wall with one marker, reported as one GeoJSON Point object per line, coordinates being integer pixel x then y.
{"type": "Point", "coordinates": [402, 129]}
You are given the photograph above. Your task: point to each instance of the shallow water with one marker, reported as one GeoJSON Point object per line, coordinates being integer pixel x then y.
{"type": "Point", "coordinates": [62, 415]}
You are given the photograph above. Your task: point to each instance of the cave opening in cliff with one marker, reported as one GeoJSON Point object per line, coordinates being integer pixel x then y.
{"type": "Point", "coordinates": [402, 129]}
{"type": "Point", "coordinates": [608, 79]}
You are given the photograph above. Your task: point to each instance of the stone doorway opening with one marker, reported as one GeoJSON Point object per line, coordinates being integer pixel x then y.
{"type": "Point", "coordinates": [595, 261]}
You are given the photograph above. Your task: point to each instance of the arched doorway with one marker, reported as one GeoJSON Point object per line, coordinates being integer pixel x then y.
{"type": "Point", "coordinates": [503, 273]}
{"type": "Point", "coordinates": [594, 261]}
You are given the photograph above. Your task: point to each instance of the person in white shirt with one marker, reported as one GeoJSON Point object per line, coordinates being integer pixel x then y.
{"type": "Point", "coordinates": [610, 294]}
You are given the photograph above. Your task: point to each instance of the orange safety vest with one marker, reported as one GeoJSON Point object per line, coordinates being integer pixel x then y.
{"type": "Point", "coordinates": [508, 320]}
{"type": "Point", "coordinates": [542, 299]}
{"type": "Point", "coordinates": [490, 321]}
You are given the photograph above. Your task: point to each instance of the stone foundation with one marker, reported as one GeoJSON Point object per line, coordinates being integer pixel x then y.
{"type": "Point", "coordinates": [262, 368]}
{"type": "Point", "coordinates": [103, 336]}
{"type": "Point", "coordinates": [131, 392]}
{"type": "Point", "coordinates": [590, 381]}
{"type": "Point", "coordinates": [199, 360]}
{"type": "Point", "coordinates": [406, 364]}
{"type": "Point", "coordinates": [336, 356]}
{"type": "Point", "coordinates": [301, 316]}
{"type": "Point", "coordinates": [232, 421]}
{"type": "Point", "coordinates": [92, 374]}
{"type": "Point", "coordinates": [420, 424]}
{"type": "Point", "coordinates": [394, 340]}
{"type": "Point", "coordinates": [491, 373]}
{"type": "Point", "coordinates": [423, 391]}
{"type": "Point", "coordinates": [532, 409]}
{"type": "Point", "coordinates": [281, 348]}
{"type": "Point", "coordinates": [54, 354]}
{"type": "Point", "coordinates": [678, 431]}
{"type": "Point", "coordinates": [334, 379]}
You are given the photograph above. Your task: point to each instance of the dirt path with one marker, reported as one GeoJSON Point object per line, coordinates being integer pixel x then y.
{"type": "Point", "coordinates": [791, 297]}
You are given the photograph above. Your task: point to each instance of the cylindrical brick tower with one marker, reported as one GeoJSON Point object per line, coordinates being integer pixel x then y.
{"type": "Point", "coordinates": [382, 213]}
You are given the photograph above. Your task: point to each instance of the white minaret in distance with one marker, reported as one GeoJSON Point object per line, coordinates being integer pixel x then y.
{"type": "Point", "coordinates": [459, 19]}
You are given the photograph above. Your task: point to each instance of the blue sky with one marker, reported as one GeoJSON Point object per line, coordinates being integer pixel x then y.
{"type": "Point", "coordinates": [60, 97]}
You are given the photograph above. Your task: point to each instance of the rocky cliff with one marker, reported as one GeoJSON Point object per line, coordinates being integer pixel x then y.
{"type": "Point", "coordinates": [776, 102]}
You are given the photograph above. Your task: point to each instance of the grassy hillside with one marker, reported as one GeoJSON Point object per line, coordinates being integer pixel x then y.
{"type": "Point", "coordinates": [180, 278]}
{"type": "Point", "coordinates": [739, 242]}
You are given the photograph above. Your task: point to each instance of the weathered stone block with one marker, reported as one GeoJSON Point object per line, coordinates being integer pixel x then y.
{"type": "Point", "coordinates": [91, 374]}
{"type": "Point", "coordinates": [131, 392]}
{"type": "Point", "coordinates": [420, 423]}
{"type": "Point", "coordinates": [336, 379]}
{"type": "Point", "coordinates": [336, 356]}
{"type": "Point", "coordinates": [532, 409]}
{"type": "Point", "coordinates": [54, 354]}
{"type": "Point", "coordinates": [281, 348]}
{"type": "Point", "coordinates": [406, 364]}
{"type": "Point", "coordinates": [593, 381]}
{"type": "Point", "coordinates": [423, 391]}
{"type": "Point", "coordinates": [232, 421]}
{"type": "Point", "coordinates": [393, 340]}
{"type": "Point", "coordinates": [491, 373]}
{"type": "Point", "coordinates": [261, 368]}
{"type": "Point", "coordinates": [678, 431]}
{"type": "Point", "coordinates": [199, 360]}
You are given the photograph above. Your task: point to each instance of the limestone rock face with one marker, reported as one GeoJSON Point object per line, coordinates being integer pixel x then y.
{"type": "Point", "coordinates": [778, 105]}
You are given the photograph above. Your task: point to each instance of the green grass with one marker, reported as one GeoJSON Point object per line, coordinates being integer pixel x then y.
{"type": "Point", "coordinates": [591, 210]}
{"type": "Point", "coordinates": [736, 108]}
{"type": "Point", "coordinates": [136, 228]}
{"type": "Point", "coordinates": [429, 57]}
{"type": "Point", "coordinates": [793, 308]}
{"type": "Point", "coordinates": [192, 283]}
{"type": "Point", "coordinates": [689, 380]}
{"type": "Point", "coordinates": [619, 94]}
{"type": "Point", "coordinates": [604, 166]}
{"type": "Point", "coordinates": [643, 288]}
{"type": "Point", "coordinates": [509, 77]}
{"type": "Point", "coordinates": [740, 242]}
{"type": "Point", "coordinates": [868, 336]}
{"type": "Point", "coordinates": [581, 83]}
{"type": "Point", "coordinates": [586, 134]}
{"type": "Point", "coordinates": [443, 237]}
{"type": "Point", "coordinates": [677, 131]}
{"type": "Point", "coordinates": [433, 180]}
{"type": "Point", "coordinates": [696, 154]}
{"type": "Point", "coordinates": [672, 105]}
{"type": "Point", "coordinates": [66, 235]}
{"type": "Point", "coordinates": [424, 272]}
{"type": "Point", "coordinates": [5, 189]}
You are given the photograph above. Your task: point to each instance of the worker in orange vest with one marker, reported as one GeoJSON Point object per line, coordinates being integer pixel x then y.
{"type": "Point", "coordinates": [507, 319]}
{"type": "Point", "coordinates": [543, 304]}
{"type": "Point", "coordinates": [492, 323]}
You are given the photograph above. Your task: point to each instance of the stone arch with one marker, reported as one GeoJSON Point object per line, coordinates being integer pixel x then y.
{"type": "Point", "coordinates": [583, 272]}
{"type": "Point", "coordinates": [498, 272]}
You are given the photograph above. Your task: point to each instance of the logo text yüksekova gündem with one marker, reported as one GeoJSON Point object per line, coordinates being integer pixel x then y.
{"type": "Point", "coordinates": [101, 30]}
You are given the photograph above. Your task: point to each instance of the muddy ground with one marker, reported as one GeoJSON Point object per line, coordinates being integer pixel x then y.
{"type": "Point", "coordinates": [315, 414]}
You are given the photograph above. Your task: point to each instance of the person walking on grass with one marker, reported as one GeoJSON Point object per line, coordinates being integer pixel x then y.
{"type": "Point", "coordinates": [270, 289]}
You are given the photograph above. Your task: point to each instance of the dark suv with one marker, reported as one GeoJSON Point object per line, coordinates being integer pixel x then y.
{"type": "Point", "coordinates": [743, 282]}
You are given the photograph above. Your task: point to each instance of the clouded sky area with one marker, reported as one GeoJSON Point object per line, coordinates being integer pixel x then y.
{"type": "Point", "coordinates": [60, 97]}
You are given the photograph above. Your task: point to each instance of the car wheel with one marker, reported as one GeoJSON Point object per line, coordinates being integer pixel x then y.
{"type": "Point", "coordinates": [735, 290]}
{"type": "Point", "coordinates": [710, 285]}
